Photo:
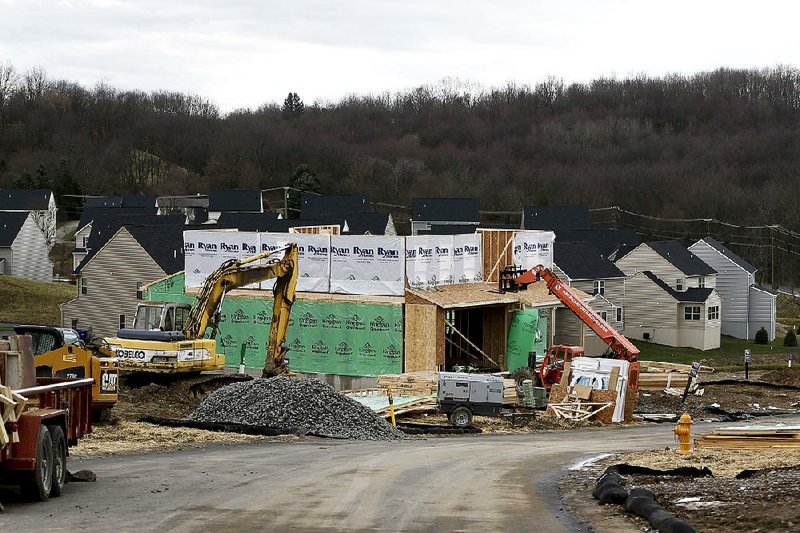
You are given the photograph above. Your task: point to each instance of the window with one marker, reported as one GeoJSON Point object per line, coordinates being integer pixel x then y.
{"type": "Point", "coordinates": [121, 321]}
{"type": "Point", "coordinates": [181, 315]}
{"type": "Point", "coordinates": [619, 314]}
{"type": "Point", "coordinates": [599, 286]}
{"type": "Point", "coordinates": [604, 315]}
{"type": "Point", "coordinates": [713, 312]}
{"type": "Point", "coordinates": [691, 312]}
{"type": "Point", "coordinates": [148, 317]}
{"type": "Point", "coordinates": [169, 319]}
{"type": "Point", "coordinates": [679, 284]}
{"type": "Point", "coordinates": [701, 282]}
{"type": "Point", "coordinates": [74, 323]}
{"type": "Point", "coordinates": [84, 286]}
{"type": "Point", "coordinates": [83, 240]}
{"type": "Point", "coordinates": [139, 287]}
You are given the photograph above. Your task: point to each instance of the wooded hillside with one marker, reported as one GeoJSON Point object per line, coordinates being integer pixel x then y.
{"type": "Point", "coordinates": [720, 144]}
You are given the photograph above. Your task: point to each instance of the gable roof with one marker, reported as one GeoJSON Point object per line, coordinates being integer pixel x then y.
{"type": "Point", "coordinates": [721, 248]}
{"type": "Point", "coordinates": [90, 213]}
{"type": "Point", "coordinates": [10, 224]}
{"type": "Point", "coordinates": [179, 202]}
{"type": "Point", "coordinates": [681, 258]}
{"type": "Point", "coordinates": [555, 218]}
{"type": "Point", "coordinates": [25, 199]}
{"type": "Point", "coordinates": [165, 246]}
{"type": "Point", "coordinates": [694, 294]}
{"type": "Point", "coordinates": [582, 260]}
{"type": "Point", "coordinates": [103, 201]}
{"type": "Point", "coordinates": [367, 223]}
{"type": "Point", "coordinates": [606, 240]}
{"type": "Point", "coordinates": [446, 209]}
{"type": "Point", "coordinates": [316, 206]}
{"type": "Point", "coordinates": [235, 200]}
{"type": "Point", "coordinates": [105, 227]}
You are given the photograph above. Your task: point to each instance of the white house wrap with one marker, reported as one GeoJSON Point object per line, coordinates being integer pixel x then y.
{"type": "Point", "coordinates": [363, 264]}
{"type": "Point", "coordinates": [429, 261]}
{"type": "Point", "coordinates": [205, 251]}
{"type": "Point", "coordinates": [467, 258]}
{"type": "Point", "coordinates": [533, 248]}
{"type": "Point", "coordinates": [313, 255]}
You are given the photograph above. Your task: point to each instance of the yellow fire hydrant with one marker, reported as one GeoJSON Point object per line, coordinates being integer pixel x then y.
{"type": "Point", "coordinates": [684, 433]}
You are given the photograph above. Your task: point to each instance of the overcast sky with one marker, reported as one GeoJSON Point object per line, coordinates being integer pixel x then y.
{"type": "Point", "coordinates": [242, 53]}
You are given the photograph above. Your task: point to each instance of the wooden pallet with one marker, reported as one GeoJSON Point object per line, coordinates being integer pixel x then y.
{"type": "Point", "coordinates": [751, 437]}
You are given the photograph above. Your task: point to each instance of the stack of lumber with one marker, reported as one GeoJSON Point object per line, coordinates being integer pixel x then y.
{"type": "Point", "coordinates": [422, 383]}
{"type": "Point", "coordinates": [661, 381]}
{"type": "Point", "coordinates": [510, 392]}
{"type": "Point", "coordinates": [658, 366]}
{"type": "Point", "coordinates": [11, 407]}
{"type": "Point", "coordinates": [752, 437]}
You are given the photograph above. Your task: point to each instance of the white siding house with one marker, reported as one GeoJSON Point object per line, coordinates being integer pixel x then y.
{"type": "Point", "coordinates": [23, 248]}
{"type": "Point", "coordinates": [745, 307]}
{"type": "Point", "coordinates": [40, 203]}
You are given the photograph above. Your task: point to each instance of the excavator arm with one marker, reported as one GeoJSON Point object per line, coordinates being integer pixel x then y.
{"type": "Point", "coordinates": [234, 274]}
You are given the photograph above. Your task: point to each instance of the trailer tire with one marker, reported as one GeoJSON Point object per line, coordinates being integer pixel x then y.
{"type": "Point", "coordinates": [59, 441]}
{"type": "Point", "coordinates": [36, 483]}
{"type": "Point", "coordinates": [461, 417]}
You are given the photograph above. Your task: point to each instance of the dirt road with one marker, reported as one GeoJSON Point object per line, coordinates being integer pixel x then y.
{"type": "Point", "coordinates": [503, 483]}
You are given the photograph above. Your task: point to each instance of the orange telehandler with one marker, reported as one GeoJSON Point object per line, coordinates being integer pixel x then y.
{"type": "Point", "coordinates": [552, 367]}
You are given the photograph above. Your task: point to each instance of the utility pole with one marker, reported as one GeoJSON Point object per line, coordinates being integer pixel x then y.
{"type": "Point", "coordinates": [772, 260]}
{"type": "Point", "coordinates": [286, 203]}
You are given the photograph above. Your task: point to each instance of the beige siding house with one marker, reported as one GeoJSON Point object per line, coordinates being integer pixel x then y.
{"type": "Point", "coordinates": [110, 281]}
{"type": "Point", "coordinates": [671, 262]}
{"type": "Point", "coordinates": [655, 312]}
{"type": "Point", "coordinates": [40, 203]}
{"type": "Point", "coordinates": [23, 247]}
{"type": "Point", "coordinates": [583, 267]}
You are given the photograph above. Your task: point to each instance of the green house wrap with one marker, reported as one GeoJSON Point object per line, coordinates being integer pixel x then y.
{"type": "Point", "coordinates": [324, 337]}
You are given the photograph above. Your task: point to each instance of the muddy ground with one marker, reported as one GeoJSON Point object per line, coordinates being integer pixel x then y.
{"type": "Point", "coordinates": [765, 502]}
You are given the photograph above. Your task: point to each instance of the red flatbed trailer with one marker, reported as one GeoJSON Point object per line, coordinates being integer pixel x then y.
{"type": "Point", "coordinates": [62, 415]}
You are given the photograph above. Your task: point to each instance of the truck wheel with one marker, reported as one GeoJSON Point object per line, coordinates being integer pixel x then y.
{"type": "Point", "coordinates": [36, 483]}
{"type": "Point", "coordinates": [461, 417]}
{"type": "Point", "coordinates": [59, 441]}
{"type": "Point", "coordinates": [521, 374]}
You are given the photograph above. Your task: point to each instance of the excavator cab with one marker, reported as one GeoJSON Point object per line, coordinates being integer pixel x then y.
{"type": "Point", "coordinates": [161, 316]}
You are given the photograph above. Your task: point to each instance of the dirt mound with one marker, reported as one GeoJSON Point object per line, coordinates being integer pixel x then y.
{"type": "Point", "coordinates": [285, 403]}
{"type": "Point", "coordinates": [785, 376]}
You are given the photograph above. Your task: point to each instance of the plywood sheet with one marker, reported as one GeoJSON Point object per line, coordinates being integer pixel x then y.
{"type": "Point", "coordinates": [498, 251]}
{"type": "Point", "coordinates": [424, 337]}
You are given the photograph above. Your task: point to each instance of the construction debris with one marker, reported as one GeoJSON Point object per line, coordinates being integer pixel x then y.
{"type": "Point", "coordinates": [577, 410]}
{"type": "Point", "coordinates": [285, 402]}
{"type": "Point", "coordinates": [661, 381]}
{"type": "Point", "coordinates": [752, 437]}
{"type": "Point", "coordinates": [662, 367]}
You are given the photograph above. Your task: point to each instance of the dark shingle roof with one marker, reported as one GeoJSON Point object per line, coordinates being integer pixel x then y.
{"type": "Point", "coordinates": [446, 209]}
{"type": "Point", "coordinates": [251, 222]}
{"type": "Point", "coordinates": [721, 248]}
{"type": "Point", "coordinates": [165, 245]}
{"type": "Point", "coordinates": [24, 199]}
{"type": "Point", "coordinates": [238, 200]}
{"type": "Point", "coordinates": [104, 227]}
{"type": "Point", "coordinates": [681, 258]}
{"type": "Point", "coordinates": [582, 260]}
{"type": "Point", "coordinates": [606, 240]}
{"type": "Point", "coordinates": [103, 201]}
{"type": "Point", "coordinates": [555, 218]}
{"type": "Point", "coordinates": [10, 224]}
{"type": "Point", "coordinates": [139, 200]}
{"type": "Point", "coordinates": [90, 213]}
{"type": "Point", "coordinates": [694, 294]}
{"type": "Point", "coordinates": [317, 206]}
{"type": "Point", "coordinates": [367, 223]}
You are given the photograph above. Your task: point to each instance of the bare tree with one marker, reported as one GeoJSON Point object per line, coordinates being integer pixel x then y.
{"type": "Point", "coordinates": [34, 82]}
{"type": "Point", "coordinates": [8, 84]}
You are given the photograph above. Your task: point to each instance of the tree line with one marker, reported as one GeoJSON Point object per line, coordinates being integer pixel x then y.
{"type": "Point", "coordinates": [721, 144]}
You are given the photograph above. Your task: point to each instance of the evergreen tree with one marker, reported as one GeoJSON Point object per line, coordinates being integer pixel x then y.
{"type": "Point", "coordinates": [762, 337]}
{"type": "Point", "coordinates": [790, 339]}
{"type": "Point", "coordinates": [304, 180]}
{"type": "Point", "coordinates": [293, 106]}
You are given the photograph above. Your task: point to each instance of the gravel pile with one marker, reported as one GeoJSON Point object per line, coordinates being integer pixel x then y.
{"type": "Point", "coordinates": [283, 402]}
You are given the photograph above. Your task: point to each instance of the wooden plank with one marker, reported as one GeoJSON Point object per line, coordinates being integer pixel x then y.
{"type": "Point", "coordinates": [472, 344]}
{"type": "Point", "coordinates": [583, 392]}
{"type": "Point", "coordinates": [421, 337]}
{"type": "Point", "coordinates": [612, 381]}
{"type": "Point", "coordinates": [565, 375]}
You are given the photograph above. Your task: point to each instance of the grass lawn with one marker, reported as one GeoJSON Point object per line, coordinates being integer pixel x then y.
{"type": "Point", "coordinates": [32, 302]}
{"type": "Point", "coordinates": [729, 354]}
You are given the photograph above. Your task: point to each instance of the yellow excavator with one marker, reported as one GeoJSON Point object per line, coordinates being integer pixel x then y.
{"type": "Point", "coordinates": [171, 337]}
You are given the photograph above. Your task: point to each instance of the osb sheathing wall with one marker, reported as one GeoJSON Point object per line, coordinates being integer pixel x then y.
{"type": "Point", "coordinates": [495, 332]}
{"type": "Point", "coordinates": [424, 337]}
{"type": "Point", "coordinates": [498, 251]}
